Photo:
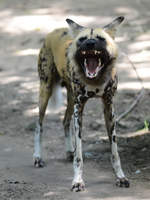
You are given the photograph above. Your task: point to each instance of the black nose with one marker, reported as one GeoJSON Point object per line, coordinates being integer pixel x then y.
{"type": "Point", "coordinates": [90, 43]}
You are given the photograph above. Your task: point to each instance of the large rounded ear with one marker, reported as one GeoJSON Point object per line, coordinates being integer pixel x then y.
{"type": "Point", "coordinates": [112, 27]}
{"type": "Point", "coordinates": [74, 27]}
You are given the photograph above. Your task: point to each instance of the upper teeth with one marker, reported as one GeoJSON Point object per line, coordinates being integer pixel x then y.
{"type": "Point", "coordinates": [95, 52]}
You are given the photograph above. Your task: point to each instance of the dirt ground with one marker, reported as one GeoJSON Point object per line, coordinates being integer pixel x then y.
{"type": "Point", "coordinates": [23, 25]}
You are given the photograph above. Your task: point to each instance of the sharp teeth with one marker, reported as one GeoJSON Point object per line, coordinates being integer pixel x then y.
{"type": "Point", "coordinates": [87, 73]}
{"type": "Point", "coordinates": [97, 52]}
{"type": "Point", "coordinates": [99, 62]}
{"type": "Point", "coordinates": [85, 62]}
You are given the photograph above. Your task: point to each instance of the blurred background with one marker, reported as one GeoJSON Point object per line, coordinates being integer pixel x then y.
{"type": "Point", "coordinates": [23, 26]}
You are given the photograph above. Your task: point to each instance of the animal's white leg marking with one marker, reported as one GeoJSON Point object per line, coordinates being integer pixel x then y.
{"type": "Point", "coordinates": [115, 159]}
{"type": "Point", "coordinates": [37, 142]}
{"type": "Point", "coordinates": [77, 183]}
{"type": "Point", "coordinates": [122, 181]}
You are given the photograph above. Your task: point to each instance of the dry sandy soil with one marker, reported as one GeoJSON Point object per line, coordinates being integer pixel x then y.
{"type": "Point", "coordinates": [23, 25]}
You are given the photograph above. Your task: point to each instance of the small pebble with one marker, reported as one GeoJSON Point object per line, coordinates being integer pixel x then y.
{"type": "Point", "coordinates": [138, 171]}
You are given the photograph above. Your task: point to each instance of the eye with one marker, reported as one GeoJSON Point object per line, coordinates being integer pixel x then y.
{"type": "Point", "coordinates": [82, 39]}
{"type": "Point", "coordinates": [100, 38]}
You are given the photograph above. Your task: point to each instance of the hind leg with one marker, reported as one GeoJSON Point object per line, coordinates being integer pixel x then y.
{"type": "Point", "coordinates": [45, 93]}
{"type": "Point", "coordinates": [67, 126]}
{"type": "Point", "coordinates": [47, 74]}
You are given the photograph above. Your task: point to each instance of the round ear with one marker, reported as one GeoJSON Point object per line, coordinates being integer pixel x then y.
{"type": "Point", "coordinates": [74, 27]}
{"type": "Point", "coordinates": [111, 28]}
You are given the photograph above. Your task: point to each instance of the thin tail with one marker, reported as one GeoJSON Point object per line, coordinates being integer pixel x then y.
{"type": "Point", "coordinates": [56, 101]}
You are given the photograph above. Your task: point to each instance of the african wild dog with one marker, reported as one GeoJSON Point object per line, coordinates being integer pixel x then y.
{"type": "Point", "coordinates": [84, 60]}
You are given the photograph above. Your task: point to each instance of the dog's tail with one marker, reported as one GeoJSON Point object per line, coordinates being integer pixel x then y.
{"type": "Point", "coordinates": [57, 97]}
{"type": "Point", "coordinates": [56, 102]}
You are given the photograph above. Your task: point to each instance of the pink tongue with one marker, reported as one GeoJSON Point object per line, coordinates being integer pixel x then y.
{"type": "Point", "coordinates": [92, 64]}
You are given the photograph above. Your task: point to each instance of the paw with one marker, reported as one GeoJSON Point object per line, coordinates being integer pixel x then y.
{"type": "Point", "coordinates": [78, 187]}
{"type": "Point", "coordinates": [123, 182]}
{"type": "Point", "coordinates": [69, 156]}
{"type": "Point", "coordinates": [39, 163]}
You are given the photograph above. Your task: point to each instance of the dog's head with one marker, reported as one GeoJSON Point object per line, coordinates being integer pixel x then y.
{"type": "Point", "coordinates": [94, 50]}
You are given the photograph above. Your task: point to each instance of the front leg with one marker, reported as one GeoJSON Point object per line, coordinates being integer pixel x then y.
{"type": "Point", "coordinates": [122, 181]}
{"type": "Point", "coordinates": [78, 183]}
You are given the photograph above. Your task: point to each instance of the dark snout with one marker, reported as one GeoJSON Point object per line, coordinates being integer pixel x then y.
{"type": "Point", "coordinates": [94, 44]}
{"type": "Point", "coordinates": [90, 43]}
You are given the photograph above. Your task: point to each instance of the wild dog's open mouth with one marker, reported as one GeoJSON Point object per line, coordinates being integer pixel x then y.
{"type": "Point", "coordinates": [92, 63]}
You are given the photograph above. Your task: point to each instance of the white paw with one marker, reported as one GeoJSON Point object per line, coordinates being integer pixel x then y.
{"type": "Point", "coordinates": [39, 163]}
{"type": "Point", "coordinates": [78, 187]}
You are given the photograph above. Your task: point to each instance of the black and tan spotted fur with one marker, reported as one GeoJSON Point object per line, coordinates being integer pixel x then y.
{"type": "Point", "coordinates": [83, 59]}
